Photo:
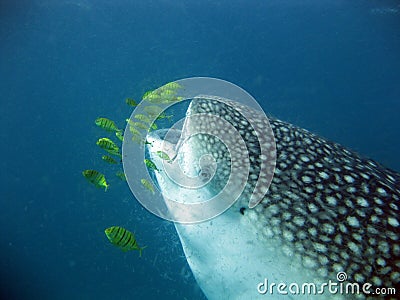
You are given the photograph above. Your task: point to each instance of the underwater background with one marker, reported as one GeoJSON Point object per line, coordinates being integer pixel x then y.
{"type": "Point", "coordinates": [332, 67]}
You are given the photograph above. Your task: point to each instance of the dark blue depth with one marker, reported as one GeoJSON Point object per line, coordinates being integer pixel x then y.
{"type": "Point", "coordinates": [332, 67]}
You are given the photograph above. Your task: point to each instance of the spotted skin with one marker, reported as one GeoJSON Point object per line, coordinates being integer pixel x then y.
{"type": "Point", "coordinates": [327, 210]}
{"type": "Point", "coordinates": [326, 204]}
{"type": "Point", "coordinates": [335, 209]}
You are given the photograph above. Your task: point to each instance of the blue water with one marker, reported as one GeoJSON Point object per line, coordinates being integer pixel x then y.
{"type": "Point", "coordinates": [332, 67]}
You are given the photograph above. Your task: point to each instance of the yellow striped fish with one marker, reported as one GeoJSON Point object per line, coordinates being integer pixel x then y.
{"type": "Point", "coordinates": [147, 185]}
{"type": "Point", "coordinates": [163, 116]}
{"type": "Point", "coordinates": [163, 155]}
{"type": "Point", "coordinates": [123, 239]}
{"type": "Point", "coordinates": [109, 146]}
{"type": "Point", "coordinates": [164, 94]}
{"type": "Point", "coordinates": [172, 85]}
{"type": "Point", "coordinates": [161, 96]}
{"type": "Point", "coordinates": [119, 135]}
{"type": "Point", "coordinates": [109, 159]}
{"type": "Point", "coordinates": [133, 130]}
{"type": "Point", "coordinates": [96, 178]}
{"type": "Point", "coordinates": [153, 110]}
{"type": "Point", "coordinates": [146, 94]}
{"type": "Point", "coordinates": [152, 96]}
{"type": "Point", "coordinates": [142, 118]}
{"type": "Point", "coordinates": [121, 175]}
{"type": "Point", "coordinates": [151, 165]}
{"type": "Point", "coordinates": [131, 102]}
{"type": "Point", "coordinates": [137, 138]}
{"type": "Point", "coordinates": [154, 126]}
{"type": "Point", "coordinates": [106, 124]}
{"type": "Point", "coordinates": [137, 124]}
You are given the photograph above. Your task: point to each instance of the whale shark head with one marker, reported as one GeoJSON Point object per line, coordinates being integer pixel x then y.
{"type": "Point", "coordinates": [327, 211]}
{"type": "Point", "coordinates": [217, 159]}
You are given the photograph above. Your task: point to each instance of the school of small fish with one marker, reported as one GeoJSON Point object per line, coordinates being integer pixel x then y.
{"type": "Point", "coordinates": [119, 236]}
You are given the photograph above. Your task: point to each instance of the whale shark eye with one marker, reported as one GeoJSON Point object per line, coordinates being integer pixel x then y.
{"type": "Point", "coordinates": [205, 174]}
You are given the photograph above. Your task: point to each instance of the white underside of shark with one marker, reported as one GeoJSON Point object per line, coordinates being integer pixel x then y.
{"type": "Point", "coordinates": [229, 261]}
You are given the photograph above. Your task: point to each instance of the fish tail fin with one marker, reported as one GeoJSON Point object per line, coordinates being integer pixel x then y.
{"type": "Point", "coordinates": [106, 187]}
{"type": "Point", "coordinates": [141, 249]}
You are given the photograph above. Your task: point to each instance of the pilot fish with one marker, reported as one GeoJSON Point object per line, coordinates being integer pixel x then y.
{"type": "Point", "coordinates": [106, 124]}
{"type": "Point", "coordinates": [123, 239]}
{"type": "Point", "coordinates": [328, 210]}
{"type": "Point", "coordinates": [108, 145]}
{"type": "Point", "coordinates": [96, 178]}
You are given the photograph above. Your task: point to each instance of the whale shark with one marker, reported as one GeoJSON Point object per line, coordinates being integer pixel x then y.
{"type": "Point", "coordinates": [329, 216]}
